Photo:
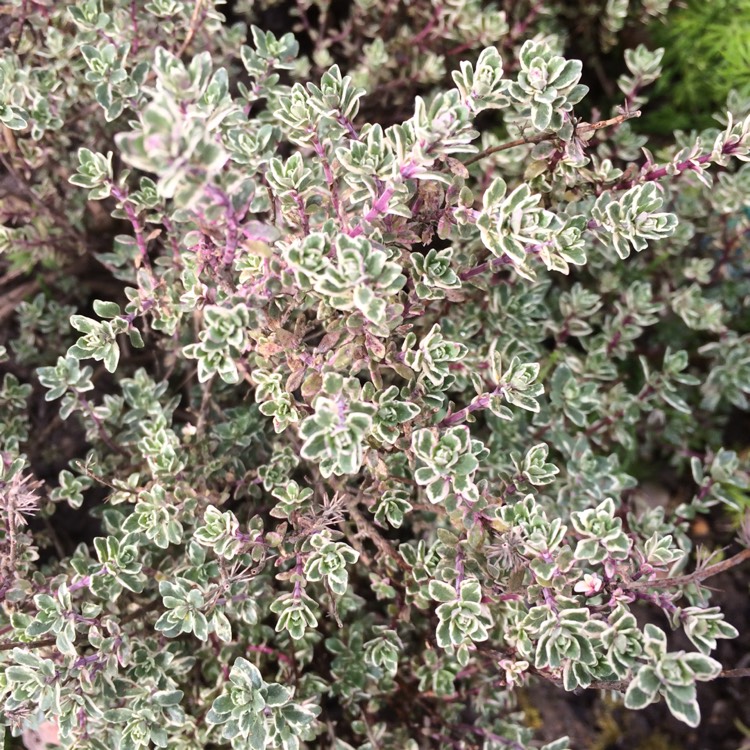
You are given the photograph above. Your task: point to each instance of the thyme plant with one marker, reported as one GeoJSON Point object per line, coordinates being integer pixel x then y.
{"type": "Point", "coordinates": [366, 405]}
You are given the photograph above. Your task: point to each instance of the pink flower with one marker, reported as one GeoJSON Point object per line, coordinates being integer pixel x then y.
{"type": "Point", "coordinates": [590, 585]}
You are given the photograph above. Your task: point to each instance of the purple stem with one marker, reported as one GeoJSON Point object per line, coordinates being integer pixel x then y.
{"type": "Point", "coordinates": [332, 187]}
{"type": "Point", "coordinates": [656, 173]}
{"type": "Point", "coordinates": [302, 213]}
{"type": "Point", "coordinates": [459, 570]}
{"type": "Point", "coordinates": [298, 583]}
{"type": "Point", "coordinates": [417, 40]}
{"type": "Point", "coordinates": [233, 227]}
{"type": "Point", "coordinates": [103, 432]}
{"type": "Point", "coordinates": [122, 197]}
{"type": "Point", "coordinates": [617, 337]}
{"type": "Point", "coordinates": [82, 584]}
{"type": "Point", "coordinates": [519, 29]}
{"type": "Point", "coordinates": [484, 267]}
{"type": "Point", "coordinates": [378, 207]}
{"type": "Point", "coordinates": [270, 651]}
{"type": "Point", "coordinates": [549, 600]}
{"type": "Point", "coordinates": [176, 256]}
{"type": "Point", "coordinates": [660, 600]}
{"type": "Point", "coordinates": [459, 416]}
{"type": "Point", "coordinates": [134, 19]}
{"type": "Point", "coordinates": [347, 123]}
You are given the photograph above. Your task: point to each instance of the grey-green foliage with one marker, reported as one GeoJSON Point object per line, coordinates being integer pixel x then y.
{"type": "Point", "coordinates": [547, 87]}
{"type": "Point", "coordinates": [370, 400]}
{"type": "Point", "coordinates": [672, 675]}
{"type": "Point", "coordinates": [260, 714]}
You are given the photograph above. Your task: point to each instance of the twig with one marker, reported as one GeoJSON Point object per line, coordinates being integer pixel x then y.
{"type": "Point", "coordinates": [58, 218]}
{"type": "Point", "coordinates": [373, 742]}
{"type": "Point", "coordinates": [202, 413]}
{"type": "Point", "coordinates": [193, 28]}
{"type": "Point", "coordinates": [11, 299]}
{"type": "Point", "coordinates": [99, 424]}
{"type": "Point", "coordinates": [584, 127]}
{"type": "Point", "coordinates": [695, 577]}
{"type": "Point", "coordinates": [9, 140]}
{"type": "Point", "coordinates": [367, 529]}
{"type": "Point", "coordinates": [29, 644]}
{"type": "Point", "coordinates": [730, 673]}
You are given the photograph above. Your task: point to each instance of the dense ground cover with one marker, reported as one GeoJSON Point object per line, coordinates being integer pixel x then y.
{"type": "Point", "coordinates": [373, 375]}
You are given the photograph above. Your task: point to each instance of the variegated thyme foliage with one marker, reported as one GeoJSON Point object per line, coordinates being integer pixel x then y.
{"type": "Point", "coordinates": [368, 400]}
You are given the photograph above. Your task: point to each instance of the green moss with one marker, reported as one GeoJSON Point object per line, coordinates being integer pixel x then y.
{"type": "Point", "coordinates": [532, 715]}
{"type": "Point", "coordinates": [658, 741]}
{"type": "Point", "coordinates": [610, 730]}
{"type": "Point", "coordinates": [707, 53]}
{"type": "Point", "coordinates": [611, 720]}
